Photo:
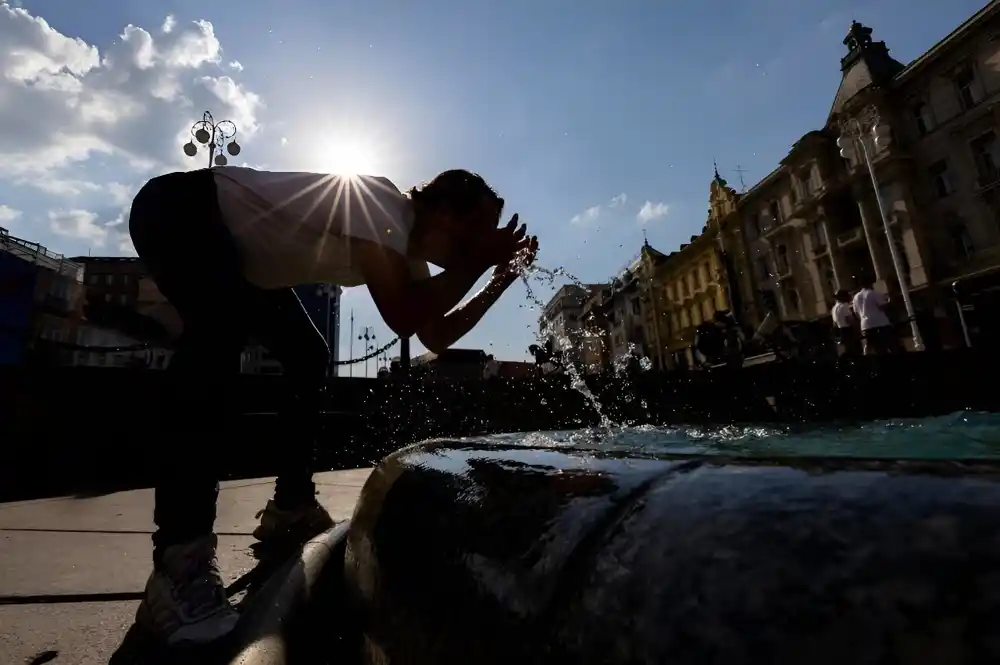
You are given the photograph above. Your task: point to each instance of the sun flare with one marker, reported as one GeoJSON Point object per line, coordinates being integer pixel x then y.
{"type": "Point", "coordinates": [347, 157]}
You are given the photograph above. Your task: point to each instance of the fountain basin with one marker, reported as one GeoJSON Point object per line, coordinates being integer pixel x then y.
{"type": "Point", "coordinates": [464, 552]}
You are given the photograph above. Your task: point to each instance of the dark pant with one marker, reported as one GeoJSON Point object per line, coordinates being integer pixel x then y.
{"type": "Point", "coordinates": [850, 340]}
{"type": "Point", "coordinates": [177, 230]}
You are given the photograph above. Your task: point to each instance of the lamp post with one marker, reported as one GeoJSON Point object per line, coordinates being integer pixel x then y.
{"type": "Point", "coordinates": [368, 334]}
{"type": "Point", "coordinates": [326, 291]}
{"type": "Point", "coordinates": [218, 137]}
{"type": "Point", "coordinates": [856, 133]}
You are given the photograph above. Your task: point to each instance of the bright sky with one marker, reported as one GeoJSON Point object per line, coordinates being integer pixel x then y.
{"type": "Point", "coordinates": [595, 120]}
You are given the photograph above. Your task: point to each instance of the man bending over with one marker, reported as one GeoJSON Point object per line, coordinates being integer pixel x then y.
{"type": "Point", "coordinates": [225, 246]}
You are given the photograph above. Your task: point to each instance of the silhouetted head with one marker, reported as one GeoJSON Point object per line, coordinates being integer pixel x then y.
{"type": "Point", "coordinates": [842, 296]}
{"type": "Point", "coordinates": [450, 211]}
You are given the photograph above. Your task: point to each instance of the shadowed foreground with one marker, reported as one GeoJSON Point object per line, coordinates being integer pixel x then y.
{"type": "Point", "coordinates": [462, 553]}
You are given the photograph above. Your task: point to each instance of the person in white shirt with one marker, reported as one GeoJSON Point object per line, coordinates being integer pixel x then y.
{"type": "Point", "coordinates": [225, 246]}
{"type": "Point", "coordinates": [876, 328]}
{"type": "Point", "coordinates": [845, 323]}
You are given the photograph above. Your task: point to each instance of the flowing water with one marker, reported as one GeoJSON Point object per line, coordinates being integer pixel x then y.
{"type": "Point", "coordinates": [963, 435]}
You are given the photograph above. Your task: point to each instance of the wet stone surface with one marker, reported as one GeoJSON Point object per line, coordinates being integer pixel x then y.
{"type": "Point", "coordinates": [463, 553]}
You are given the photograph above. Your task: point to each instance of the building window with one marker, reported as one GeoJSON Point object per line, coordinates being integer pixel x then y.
{"type": "Point", "coordinates": [706, 309]}
{"type": "Point", "coordinates": [635, 307]}
{"type": "Point", "coordinates": [781, 260]}
{"type": "Point", "coordinates": [109, 279]}
{"type": "Point", "coordinates": [702, 277]}
{"type": "Point", "coordinates": [828, 277]}
{"type": "Point", "coordinates": [986, 153]}
{"type": "Point", "coordinates": [817, 236]}
{"type": "Point", "coordinates": [968, 87]}
{"type": "Point", "coordinates": [774, 211]}
{"type": "Point", "coordinates": [962, 241]}
{"type": "Point", "coordinates": [794, 301]}
{"type": "Point", "coordinates": [674, 321]}
{"type": "Point", "coordinates": [940, 178]}
{"type": "Point", "coordinates": [923, 118]}
{"type": "Point", "coordinates": [691, 285]}
{"type": "Point", "coordinates": [806, 181]}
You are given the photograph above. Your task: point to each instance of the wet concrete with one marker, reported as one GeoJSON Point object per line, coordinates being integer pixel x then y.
{"type": "Point", "coordinates": [461, 553]}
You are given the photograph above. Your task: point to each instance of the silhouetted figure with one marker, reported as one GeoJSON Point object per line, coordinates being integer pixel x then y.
{"type": "Point", "coordinates": [846, 325]}
{"type": "Point", "coordinates": [208, 239]}
{"type": "Point", "coordinates": [876, 327]}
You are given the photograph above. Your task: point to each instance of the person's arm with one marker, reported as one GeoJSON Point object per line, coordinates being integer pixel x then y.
{"type": "Point", "coordinates": [438, 335]}
{"type": "Point", "coordinates": [406, 304]}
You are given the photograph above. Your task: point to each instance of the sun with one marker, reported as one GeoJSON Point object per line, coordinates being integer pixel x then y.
{"type": "Point", "coordinates": [347, 157]}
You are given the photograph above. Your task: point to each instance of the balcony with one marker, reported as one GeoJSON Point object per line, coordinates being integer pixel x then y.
{"type": "Point", "coordinates": [850, 236]}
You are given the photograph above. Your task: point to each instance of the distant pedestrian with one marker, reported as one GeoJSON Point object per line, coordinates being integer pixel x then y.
{"type": "Point", "coordinates": [876, 327]}
{"type": "Point", "coordinates": [225, 246]}
{"type": "Point", "coordinates": [846, 325]}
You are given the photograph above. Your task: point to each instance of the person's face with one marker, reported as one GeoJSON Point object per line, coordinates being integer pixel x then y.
{"type": "Point", "coordinates": [449, 235]}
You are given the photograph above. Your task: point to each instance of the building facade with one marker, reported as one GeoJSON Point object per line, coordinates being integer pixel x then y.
{"type": "Point", "coordinates": [688, 287]}
{"type": "Point", "coordinates": [562, 321]}
{"type": "Point", "coordinates": [41, 303]}
{"type": "Point", "coordinates": [815, 224]}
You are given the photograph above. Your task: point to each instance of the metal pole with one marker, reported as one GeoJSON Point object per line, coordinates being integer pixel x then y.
{"type": "Point", "coordinates": [329, 368]}
{"type": "Point", "coordinates": [904, 287]}
{"type": "Point", "coordinates": [350, 348]}
{"type": "Point", "coordinates": [211, 147]}
{"type": "Point", "coordinates": [404, 355]}
{"type": "Point", "coordinates": [965, 328]}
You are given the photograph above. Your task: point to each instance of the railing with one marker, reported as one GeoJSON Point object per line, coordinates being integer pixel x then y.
{"type": "Point", "coordinates": [39, 255]}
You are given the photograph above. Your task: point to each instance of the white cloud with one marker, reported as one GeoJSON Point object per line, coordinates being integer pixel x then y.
{"type": "Point", "coordinates": [131, 104]}
{"type": "Point", "coordinates": [588, 215]}
{"type": "Point", "coordinates": [8, 214]}
{"type": "Point", "coordinates": [593, 213]}
{"type": "Point", "coordinates": [79, 225]}
{"type": "Point", "coordinates": [652, 211]}
{"type": "Point", "coordinates": [284, 141]}
{"type": "Point", "coordinates": [237, 65]}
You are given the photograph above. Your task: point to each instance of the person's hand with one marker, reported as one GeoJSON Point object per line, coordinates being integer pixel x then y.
{"type": "Point", "coordinates": [507, 273]}
{"type": "Point", "coordinates": [496, 246]}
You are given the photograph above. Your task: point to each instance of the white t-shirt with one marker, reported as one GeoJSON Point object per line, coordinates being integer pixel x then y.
{"type": "Point", "coordinates": [868, 304]}
{"type": "Point", "coordinates": [843, 315]}
{"type": "Point", "coordinates": [298, 228]}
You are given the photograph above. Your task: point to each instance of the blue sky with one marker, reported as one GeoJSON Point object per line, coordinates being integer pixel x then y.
{"type": "Point", "coordinates": [563, 106]}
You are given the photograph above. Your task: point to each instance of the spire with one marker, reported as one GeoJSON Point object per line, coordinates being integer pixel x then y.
{"type": "Point", "coordinates": [645, 239]}
{"type": "Point", "coordinates": [716, 165]}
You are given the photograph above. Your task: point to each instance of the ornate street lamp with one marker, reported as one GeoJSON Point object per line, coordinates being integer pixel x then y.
{"type": "Point", "coordinates": [867, 134]}
{"type": "Point", "coordinates": [217, 137]}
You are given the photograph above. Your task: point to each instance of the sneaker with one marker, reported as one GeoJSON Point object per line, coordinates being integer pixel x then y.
{"type": "Point", "coordinates": [301, 523]}
{"type": "Point", "coordinates": [185, 600]}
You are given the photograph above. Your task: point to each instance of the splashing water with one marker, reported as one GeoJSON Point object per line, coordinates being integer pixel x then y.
{"type": "Point", "coordinates": [606, 428]}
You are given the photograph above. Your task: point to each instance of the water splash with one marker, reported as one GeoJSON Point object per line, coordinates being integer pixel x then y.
{"type": "Point", "coordinates": [606, 426]}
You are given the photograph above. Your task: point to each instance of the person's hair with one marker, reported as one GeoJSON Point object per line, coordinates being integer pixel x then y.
{"type": "Point", "coordinates": [842, 296]}
{"type": "Point", "coordinates": [457, 191]}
